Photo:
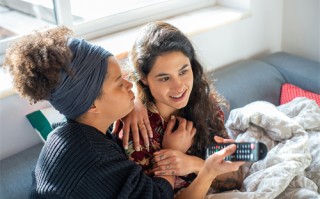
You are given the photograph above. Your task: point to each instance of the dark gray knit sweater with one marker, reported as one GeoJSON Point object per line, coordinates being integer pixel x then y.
{"type": "Point", "coordinates": [78, 161]}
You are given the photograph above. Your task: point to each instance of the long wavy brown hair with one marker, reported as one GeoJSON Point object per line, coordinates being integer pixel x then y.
{"type": "Point", "coordinates": [158, 38]}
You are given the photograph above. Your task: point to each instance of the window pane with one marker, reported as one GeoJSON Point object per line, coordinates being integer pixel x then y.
{"type": "Point", "coordinates": [85, 10]}
{"type": "Point", "coordinates": [21, 17]}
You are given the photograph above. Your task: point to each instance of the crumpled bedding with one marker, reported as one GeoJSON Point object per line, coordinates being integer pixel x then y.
{"type": "Point", "coordinates": [291, 132]}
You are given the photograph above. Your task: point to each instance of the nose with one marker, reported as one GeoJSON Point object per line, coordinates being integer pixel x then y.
{"type": "Point", "coordinates": [177, 85]}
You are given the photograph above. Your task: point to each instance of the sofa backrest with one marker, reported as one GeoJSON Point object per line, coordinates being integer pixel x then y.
{"type": "Point", "coordinates": [246, 82]}
{"type": "Point", "coordinates": [253, 80]}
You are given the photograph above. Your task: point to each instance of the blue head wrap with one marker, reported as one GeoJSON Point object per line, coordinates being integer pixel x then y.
{"type": "Point", "coordinates": [76, 93]}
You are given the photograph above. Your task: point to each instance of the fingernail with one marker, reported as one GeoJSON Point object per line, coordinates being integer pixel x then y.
{"type": "Point", "coordinates": [138, 148]}
{"type": "Point", "coordinates": [125, 147]}
{"type": "Point", "coordinates": [172, 117]}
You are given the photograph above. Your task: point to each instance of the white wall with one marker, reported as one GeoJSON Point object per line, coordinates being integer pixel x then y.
{"type": "Point", "coordinates": [254, 36]}
{"type": "Point", "coordinates": [301, 28]}
{"type": "Point", "coordinates": [16, 133]}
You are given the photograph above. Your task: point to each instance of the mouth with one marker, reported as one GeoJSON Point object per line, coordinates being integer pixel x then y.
{"type": "Point", "coordinates": [178, 96]}
{"type": "Point", "coordinates": [133, 97]}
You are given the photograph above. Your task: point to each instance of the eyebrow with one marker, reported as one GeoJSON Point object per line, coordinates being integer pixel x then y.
{"type": "Point", "coordinates": [164, 74]}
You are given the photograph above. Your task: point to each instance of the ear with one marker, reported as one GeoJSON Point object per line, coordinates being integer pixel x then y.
{"type": "Point", "coordinates": [144, 81]}
{"type": "Point", "coordinates": [93, 108]}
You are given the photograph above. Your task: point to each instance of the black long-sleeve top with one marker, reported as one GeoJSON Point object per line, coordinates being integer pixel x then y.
{"type": "Point", "coordinates": [79, 161]}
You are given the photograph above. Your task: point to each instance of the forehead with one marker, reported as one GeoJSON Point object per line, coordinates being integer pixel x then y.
{"type": "Point", "coordinates": [170, 61]}
{"type": "Point", "coordinates": [113, 70]}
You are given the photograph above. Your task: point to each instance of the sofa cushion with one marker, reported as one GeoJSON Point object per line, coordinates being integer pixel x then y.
{"type": "Point", "coordinates": [43, 119]}
{"type": "Point", "coordinates": [16, 179]}
{"type": "Point", "coordinates": [290, 91]}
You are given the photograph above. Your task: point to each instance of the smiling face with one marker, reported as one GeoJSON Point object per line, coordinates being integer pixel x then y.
{"type": "Point", "coordinates": [170, 81]}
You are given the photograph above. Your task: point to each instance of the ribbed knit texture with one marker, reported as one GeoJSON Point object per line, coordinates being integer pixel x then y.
{"type": "Point", "coordinates": [78, 161]}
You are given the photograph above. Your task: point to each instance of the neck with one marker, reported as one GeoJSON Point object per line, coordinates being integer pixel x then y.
{"type": "Point", "coordinates": [166, 111]}
{"type": "Point", "coordinates": [98, 123]}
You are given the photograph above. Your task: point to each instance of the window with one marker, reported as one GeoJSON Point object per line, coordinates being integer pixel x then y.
{"type": "Point", "coordinates": [87, 18]}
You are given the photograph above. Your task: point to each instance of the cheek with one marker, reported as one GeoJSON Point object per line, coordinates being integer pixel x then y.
{"type": "Point", "coordinates": [157, 90]}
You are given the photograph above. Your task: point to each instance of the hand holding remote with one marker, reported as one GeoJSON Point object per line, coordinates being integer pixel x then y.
{"type": "Point", "coordinates": [246, 151]}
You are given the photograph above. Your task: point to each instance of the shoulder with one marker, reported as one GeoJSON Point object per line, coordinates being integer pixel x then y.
{"type": "Point", "coordinates": [71, 137]}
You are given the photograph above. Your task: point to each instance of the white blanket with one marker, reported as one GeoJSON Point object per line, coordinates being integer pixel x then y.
{"type": "Point", "coordinates": [291, 132]}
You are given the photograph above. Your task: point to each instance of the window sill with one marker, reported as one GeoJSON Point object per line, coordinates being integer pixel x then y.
{"type": "Point", "coordinates": [191, 23]}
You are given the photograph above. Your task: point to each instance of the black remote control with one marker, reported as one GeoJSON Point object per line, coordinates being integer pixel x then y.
{"type": "Point", "coordinates": [246, 151]}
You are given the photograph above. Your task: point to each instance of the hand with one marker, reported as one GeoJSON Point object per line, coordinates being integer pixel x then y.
{"type": "Point", "coordinates": [216, 165]}
{"type": "Point", "coordinates": [137, 120]}
{"type": "Point", "coordinates": [173, 162]}
{"type": "Point", "coordinates": [180, 139]}
{"type": "Point", "coordinates": [222, 140]}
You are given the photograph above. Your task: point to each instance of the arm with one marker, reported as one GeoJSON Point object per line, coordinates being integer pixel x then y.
{"type": "Point", "coordinates": [213, 166]}
{"type": "Point", "coordinates": [168, 161]}
{"type": "Point", "coordinates": [175, 162]}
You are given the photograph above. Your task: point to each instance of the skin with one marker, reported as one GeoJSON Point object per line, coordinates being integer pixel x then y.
{"type": "Point", "coordinates": [170, 81]}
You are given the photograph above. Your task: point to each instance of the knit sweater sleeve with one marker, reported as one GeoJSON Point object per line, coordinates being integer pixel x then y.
{"type": "Point", "coordinates": [79, 162]}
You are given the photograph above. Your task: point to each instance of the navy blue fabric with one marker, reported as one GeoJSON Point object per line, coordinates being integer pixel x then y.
{"type": "Point", "coordinates": [76, 93]}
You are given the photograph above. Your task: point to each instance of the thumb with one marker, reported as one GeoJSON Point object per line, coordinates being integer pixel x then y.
{"type": "Point", "coordinates": [170, 124]}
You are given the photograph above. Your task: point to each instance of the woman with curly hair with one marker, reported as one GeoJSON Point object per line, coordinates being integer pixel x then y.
{"type": "Point", "coordinates": [81, 158]}
{"type": "Point", "coordinates": [172, 84]}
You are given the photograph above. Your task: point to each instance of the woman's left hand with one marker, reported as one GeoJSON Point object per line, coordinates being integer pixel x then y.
{"type": "Point", "coordinates": [174, 162]}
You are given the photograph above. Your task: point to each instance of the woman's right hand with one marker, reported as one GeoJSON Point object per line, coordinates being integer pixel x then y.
{"type": "Point", "coordinates": [180, 139]}
{"type": "Point", "coordinates": [216, 165]}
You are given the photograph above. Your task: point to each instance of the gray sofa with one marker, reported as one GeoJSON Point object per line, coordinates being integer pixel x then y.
{"type": "Point", "coordinates": [240, 83]}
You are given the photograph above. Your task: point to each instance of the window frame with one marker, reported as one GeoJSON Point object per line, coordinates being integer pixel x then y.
{"type": "Point", "coordinates": [110, 24]}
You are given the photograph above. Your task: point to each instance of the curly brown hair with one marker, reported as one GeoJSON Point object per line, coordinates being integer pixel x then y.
{"type": "Point", "coordinates": [35, 62]}
{"type": "Point", "coordinates": [203, 109]}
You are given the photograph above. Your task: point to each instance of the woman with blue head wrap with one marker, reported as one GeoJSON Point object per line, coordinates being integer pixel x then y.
{"type": "Point", "coordinates": [80, 158]}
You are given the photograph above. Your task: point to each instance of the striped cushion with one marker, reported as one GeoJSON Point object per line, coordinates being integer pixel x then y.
{"type": "Point", "coordinates": [42, 120]}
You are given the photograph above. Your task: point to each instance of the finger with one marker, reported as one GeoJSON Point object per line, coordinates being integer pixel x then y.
{"type": "Point", "coordinates": [219, 139]}
{"type": "Point", "coordinates": [135, 136]}
{"type": "Point", "coordinates": [170, 124]}
{"type": "Point", "coordinates": [227, 151]}
{"type": "Point", "coordinates": [163, 173]}
{"type": "Point", "coordinates": [189, 126]}
{"type": "Point", "coordinates": [144, 134]}
{"type": "Point", "coordinates": [161, 151]}
{"type": "Point", "coordinates": [148, 126]}
{"type": "Point", "coordinates": [125, 139]}
{"type": "Point", "coordinates": [164, 161]}
{"type": "Point", "coordinates": [182, 123]}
